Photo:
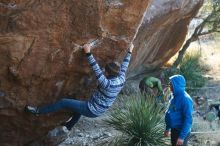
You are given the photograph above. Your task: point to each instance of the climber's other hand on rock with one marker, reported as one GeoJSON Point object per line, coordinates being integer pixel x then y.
{"type": "Point", "coordinates": [87, 48]}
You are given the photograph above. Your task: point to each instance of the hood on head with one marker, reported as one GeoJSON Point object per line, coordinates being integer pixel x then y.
{"type": "Point", "coordinates": [179, 84]}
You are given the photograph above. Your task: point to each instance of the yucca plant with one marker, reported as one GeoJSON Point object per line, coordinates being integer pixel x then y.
{"type": "Point", "coordinates": [139, 119]}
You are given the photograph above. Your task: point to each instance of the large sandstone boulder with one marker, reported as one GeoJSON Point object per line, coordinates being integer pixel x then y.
{"type": "Point", "coordinates": [41, 59]}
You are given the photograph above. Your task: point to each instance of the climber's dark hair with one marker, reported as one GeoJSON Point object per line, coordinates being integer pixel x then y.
{"type": "Point", "coordinates": [112, 68]}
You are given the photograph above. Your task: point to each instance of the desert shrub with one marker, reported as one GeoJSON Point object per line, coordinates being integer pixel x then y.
{"type": "Point", "coordinates": [193, 69]}
{"type": "Point", "coordinates": [140, 121]}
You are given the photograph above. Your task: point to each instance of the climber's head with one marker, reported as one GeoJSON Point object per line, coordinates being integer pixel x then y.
{"type": "Point", "coordinates": [112, 69]}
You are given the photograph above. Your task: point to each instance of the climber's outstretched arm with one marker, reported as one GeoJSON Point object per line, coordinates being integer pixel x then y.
{"type": "Point", "coordinates": [125, 63]}
{"type": "Point", "coordinates": [102, 80]}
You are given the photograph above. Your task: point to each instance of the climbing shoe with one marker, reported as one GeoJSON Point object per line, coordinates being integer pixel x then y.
{"type": "Point", "coordinates": [31, 109]}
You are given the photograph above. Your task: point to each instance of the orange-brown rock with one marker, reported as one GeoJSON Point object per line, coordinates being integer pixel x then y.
{"type": "Point", "coordinates": [40, 57]}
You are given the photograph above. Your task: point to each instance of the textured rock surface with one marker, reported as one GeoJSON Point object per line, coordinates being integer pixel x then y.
{"type": "Point", "coordinates": [40, 59]}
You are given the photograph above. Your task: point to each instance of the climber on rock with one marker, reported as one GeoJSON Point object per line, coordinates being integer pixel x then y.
{"type": "Point", "coordinates": [109, 86]}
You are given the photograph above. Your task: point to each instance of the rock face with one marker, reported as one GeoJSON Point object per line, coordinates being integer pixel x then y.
{"type": "Point", "coordinates": [41, 59]}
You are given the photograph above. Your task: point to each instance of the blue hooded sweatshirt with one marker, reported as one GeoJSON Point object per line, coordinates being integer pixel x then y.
{"type": "Point", "coordinates": [179, 113]}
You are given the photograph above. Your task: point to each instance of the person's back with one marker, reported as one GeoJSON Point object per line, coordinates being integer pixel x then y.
{"type": "Point", "coordinates": [109, 87]}
{"type": "Point", "coordinates": [103, 98]}
{"type": "Point", "coordinates": [151, 83]}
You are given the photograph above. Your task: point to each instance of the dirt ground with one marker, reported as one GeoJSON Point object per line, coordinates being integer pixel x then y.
{"type": "Point", "coordinates": [94, 132]}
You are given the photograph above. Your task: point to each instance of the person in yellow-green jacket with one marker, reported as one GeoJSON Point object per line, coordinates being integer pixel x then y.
{"type": "Point", "coordinates": [151, 85]}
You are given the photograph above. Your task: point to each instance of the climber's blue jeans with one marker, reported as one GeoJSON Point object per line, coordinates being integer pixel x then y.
{"type": "Point", "coordinates": [78, 107]}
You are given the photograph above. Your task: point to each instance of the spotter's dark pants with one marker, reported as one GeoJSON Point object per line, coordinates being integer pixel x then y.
{"type": "Point", "coordinates": [175, 135]}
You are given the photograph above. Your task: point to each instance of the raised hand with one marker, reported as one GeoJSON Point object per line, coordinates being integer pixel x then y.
{"type": "Point", "coordinates": [130, 49]}
{"type": "Point", "coordinates": [87, 48]}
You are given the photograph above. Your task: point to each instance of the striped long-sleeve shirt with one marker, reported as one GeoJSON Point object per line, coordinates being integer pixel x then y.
{"type": "Point", "coordinates": [108, 89]}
